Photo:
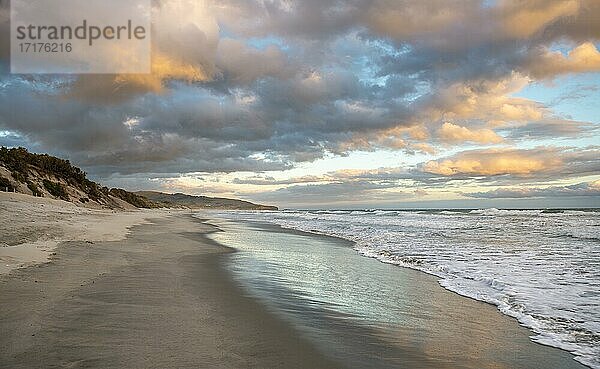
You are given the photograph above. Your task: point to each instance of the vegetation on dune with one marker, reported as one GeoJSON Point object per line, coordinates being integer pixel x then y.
{"type": "Point", "coordinates": [202, 202]}
{"type": "Point", "coordinates": [133, 199]}
{"type": "Point", "coordinates": [25, 167]}
{"type": "Point", "coordinates": [34, 188]}
{"type": "Point", "coordinates": [60, 178]}
{"type": "Point", "coordinates": [19, 161]}
{"type": "Point", "coordinates": [19, 177]}
{"type": "Point", "coordinates": [56, 189]}
{"type": "Point", "coordinates": [5, 184]}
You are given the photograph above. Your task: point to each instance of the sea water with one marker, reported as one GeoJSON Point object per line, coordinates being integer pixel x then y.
{"type": "Point", "coordinates": [542, 268]}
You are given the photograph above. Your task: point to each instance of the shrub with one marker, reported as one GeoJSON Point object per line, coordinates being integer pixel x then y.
{"type": "Point", "coordinates": [19, 160]}
{"type": "Point", "coordinates": [34, 189]}
{"type": "Point", "coordinates": [92, 190]}
{"type": "Point", "coordinates": [15, 160]}
{"type": "Point", "coordinates": [5, 184]}
{"type": "Point", "coordinates": [56, 189]}
{"type": "Point", "coordinates": [134, 199]}
{"type": "Point", "coordinates": [19, 176]}
{"type": "Point", "coordinates": [22, 164]}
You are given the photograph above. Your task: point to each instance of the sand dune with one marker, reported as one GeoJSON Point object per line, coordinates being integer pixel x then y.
{"type": "Point", "coordinates": [31, 227]}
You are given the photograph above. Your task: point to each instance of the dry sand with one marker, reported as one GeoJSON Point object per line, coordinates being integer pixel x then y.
{"type": "Point", "coordinates": [31, 227]}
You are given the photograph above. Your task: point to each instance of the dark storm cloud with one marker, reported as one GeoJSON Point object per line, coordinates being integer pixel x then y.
{"type": "Point", "coordinates": [294, 81]}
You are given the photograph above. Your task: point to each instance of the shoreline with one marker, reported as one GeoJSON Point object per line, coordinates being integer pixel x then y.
{"type": "Point", "coordinates": [429, 274]}
{"type": "Point", "coordinates": [163, 296]}
{"type": "Point", "coordinates": [457, 304]}
{"type": "Point", "coordinates": [158, 298]}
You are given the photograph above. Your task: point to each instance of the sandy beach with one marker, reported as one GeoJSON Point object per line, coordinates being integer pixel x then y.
{"type": "Point", "coordinates": [32, 227]}
{"type": "Point", "coordinates": [154, 290]}
{"type": "Point", "coordinates": [157, 298]}
{"type": "Point", "coordinates": [407, 184]}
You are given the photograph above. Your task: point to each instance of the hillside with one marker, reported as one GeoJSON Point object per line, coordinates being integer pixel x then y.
{"type": "Point", "coordinates": [48, 176]}
{"type": "Point", "coordinates": [43, 175]}
{"type": "Point", "coordinates": [201, 202]}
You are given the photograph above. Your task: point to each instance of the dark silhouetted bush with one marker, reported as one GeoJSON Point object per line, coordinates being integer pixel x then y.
{"type": "Point", "coordinates": [56, 189]}
{"type": "Point", "coordinates": [135, 200]}
{"type": "Point", "coordinates": [34, 189]}
{"type": "Point", "coordinates": [5, 184]}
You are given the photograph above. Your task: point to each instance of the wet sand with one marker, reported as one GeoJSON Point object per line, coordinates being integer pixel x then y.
{"type": "Point", "coordinates": [368, 314]}
{"type": "Point", "coordinates": [158, 299]}
{"type": "Point", "coordinates": [164, 298]}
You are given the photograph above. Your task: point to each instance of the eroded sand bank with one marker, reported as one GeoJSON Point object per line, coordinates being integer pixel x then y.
{"type": "Point", "coordinates": [31, 227]}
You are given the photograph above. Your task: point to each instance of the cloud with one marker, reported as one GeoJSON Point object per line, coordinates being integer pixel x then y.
{"type": "Point", "coordinates": [270, 181]}
{"type": "Point", "coordinates": [4, 31]}
{"type": "Point", "coordinates": [487, 101]}
{"type": "Point", "coordinates": [184, 38]}
{"type": "Point", "coordinates": [491, 163]}
{"type": "Point", "coordinates": [381, 178]}
{"type": "Point", "coordinates": [525, 20]}
{"type": "Point", "coordinates": [260, 86]}
{"type": "Point", "coordinates": [545, 63]}
{"type": "Point", "coordinates": [421, 19]}
{"type": "Point", "coordinates": [333, 193]}
{"type": "Point", "coordinates": [551, 128]}
{"type": "Point", "coordinates": [580, 189]}
{"type": "Point", "coordinates": [234, 56]}
{"type": "Point", "coordinates": [432, 22]}
{"type": "Point", "coordinates": [113, 89]}
{"type": "Point", "coordinates": [454, 133]}
{"type": "Point", "coordinates": [539, 161]}
{"type": "Point", "coordinates": [577, 92]}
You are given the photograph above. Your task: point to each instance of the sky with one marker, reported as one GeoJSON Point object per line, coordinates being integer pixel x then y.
{"type": "Point", "coordinates": [337, 104]}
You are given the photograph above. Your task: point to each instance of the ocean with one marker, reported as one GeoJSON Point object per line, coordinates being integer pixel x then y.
{"type": "Point", "coordinates": [540, 267]}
